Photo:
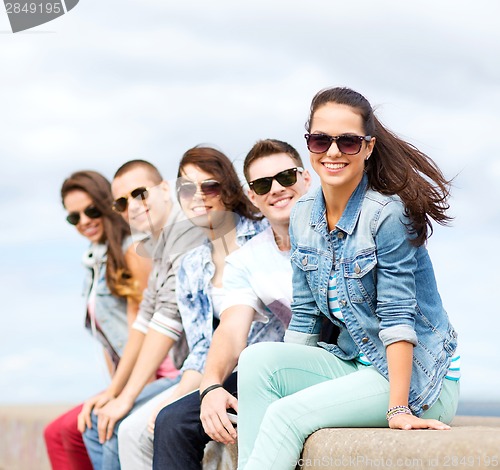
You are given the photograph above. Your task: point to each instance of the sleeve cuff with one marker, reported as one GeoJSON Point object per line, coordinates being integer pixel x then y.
{"type": "Point", "coordinates": [193, 364]}
{"type": "Point", "coordinates": [166, 326]}
{"type": "Point", "coordinates": [397, 333]}
{"type": "Point", "coordinates": [249, 300]}
{"type": "Point", "coordinates": [141, 324]}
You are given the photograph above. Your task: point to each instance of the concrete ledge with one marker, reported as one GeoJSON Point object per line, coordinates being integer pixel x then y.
{"type": "Point", "coordinates": [21, 435]}
{"type": "Point", "coordinates": [220, 457]}
{"type": "Point", "coordinates": [22, 446]}
{"type": "Point", "coordinates": [473, 442]}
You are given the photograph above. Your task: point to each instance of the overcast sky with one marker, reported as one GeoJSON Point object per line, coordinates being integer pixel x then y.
{"type": "Point", "coordinates": [116, 80]}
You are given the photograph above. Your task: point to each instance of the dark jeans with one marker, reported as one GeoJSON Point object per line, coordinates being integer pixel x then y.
{"type": "Point", "coordinates": [180, 439]}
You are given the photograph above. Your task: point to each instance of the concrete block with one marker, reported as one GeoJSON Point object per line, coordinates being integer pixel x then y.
{"type": "Point", "coordinates": [473, 442]}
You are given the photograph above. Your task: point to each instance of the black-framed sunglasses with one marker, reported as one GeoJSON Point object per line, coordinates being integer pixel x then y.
{"type": "Point", "coordinates": [92, 212]}
{"type": "Point", "coordinates": [348, 144]}
{"type": "Point", "coordinates": [187, 189]}
{"type": "Point", "coordinates": [286, 178]}
{"type": "Point", "coordinates": [120, 204]}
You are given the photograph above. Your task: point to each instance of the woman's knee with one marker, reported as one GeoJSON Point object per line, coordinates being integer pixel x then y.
{"type": "Point", "coordinates": [63, 426]}
{"type": "Point", "coordinates": [52, 431]}
{"type": "Point", "coordinates": [256, 358]}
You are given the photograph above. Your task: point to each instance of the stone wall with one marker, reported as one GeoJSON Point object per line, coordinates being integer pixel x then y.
{"type": "Point", "coordinates": [21, 431]}
{"type": "Point", "coordinates": [473, 442]}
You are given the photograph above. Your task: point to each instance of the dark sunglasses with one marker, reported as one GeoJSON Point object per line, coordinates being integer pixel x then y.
{"type": "Point", "coordinates": [286, 178]}
{"type": "Point", "coordinates": [187, 189]}
{"type": "Point", "coordinates": [348, 144]}
{"type": "Point", "coordinates": [120, 204]}
{"type": "Point", "coordinates": [91, 211]}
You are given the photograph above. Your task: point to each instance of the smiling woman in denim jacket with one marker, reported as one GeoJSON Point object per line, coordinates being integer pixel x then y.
{"type": "Point", "coordinates": [211, 196]}
{"type": "Point", "coordinates": [115, 279]}
{"type": "Point", "coordinates": [359, 259]}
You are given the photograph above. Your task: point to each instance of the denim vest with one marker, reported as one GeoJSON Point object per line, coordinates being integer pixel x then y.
{"type": "Point", "coordinates": [110, 310]}
{"type": "Point", "coordinates": [386, 287]}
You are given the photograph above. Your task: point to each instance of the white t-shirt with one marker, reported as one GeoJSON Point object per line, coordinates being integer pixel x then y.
{"type": "Point", "coordinates": [259, 275]}
{"type": "Point", "coordinates": [217, 294]}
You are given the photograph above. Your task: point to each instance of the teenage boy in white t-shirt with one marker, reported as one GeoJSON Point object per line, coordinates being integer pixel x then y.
{"type": "Point", "coordinates": [258, 286]}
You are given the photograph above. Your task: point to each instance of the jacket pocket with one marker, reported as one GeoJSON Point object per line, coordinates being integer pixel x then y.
{"type": "Point", "coordinates": [360, 276]}
{"type": "Point", "coordinates": [308, 262]}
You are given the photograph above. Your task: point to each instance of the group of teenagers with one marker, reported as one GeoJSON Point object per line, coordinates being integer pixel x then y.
{"type": "Point", "coordinates": [290, 308]}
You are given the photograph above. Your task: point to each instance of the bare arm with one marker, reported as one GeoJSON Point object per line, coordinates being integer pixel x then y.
{"type": "Point", "coordinates": [399, 362]}
{"type": "Point", "coordinates": [140, 268]}
{"type": "Point", "coordinates": [153, 352]}
{"type": "Point", "coordinates": [155, 348]}
{"type": "Point", "coordinates": [229, 340]}
{"type": "Point", "coordinates": [109, 363]}
{"type": "Point", "coordinates": [120, 377]}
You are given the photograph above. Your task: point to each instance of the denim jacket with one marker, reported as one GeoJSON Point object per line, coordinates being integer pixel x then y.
{"type": "Point", "coordinates": [110, 311]}
{"type": "Point", "coordinates": [193, 294]}
{"type": "Point", "coordinates": [386, 287]}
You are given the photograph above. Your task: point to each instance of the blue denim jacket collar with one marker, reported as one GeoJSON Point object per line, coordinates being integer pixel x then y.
{"type": "Point", "coordinates": [347, 222]}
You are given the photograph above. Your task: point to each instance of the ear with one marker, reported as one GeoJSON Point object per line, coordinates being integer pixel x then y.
{"type": "Point", "coordinates": [371, 145]}
{"type": "Point", "coordinates": [307, 179]}
{"type": "Point", "coordinates": [165, 188]}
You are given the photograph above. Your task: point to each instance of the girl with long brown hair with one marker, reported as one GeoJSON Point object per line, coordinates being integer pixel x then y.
{"type": "Point", "coordinates": [359, 261]}
{"type": "Point", "coordinates": [115, 278]}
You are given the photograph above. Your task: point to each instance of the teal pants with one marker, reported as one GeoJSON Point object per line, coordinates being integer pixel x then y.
{"type": "Point", "coordinates": [288, 391]}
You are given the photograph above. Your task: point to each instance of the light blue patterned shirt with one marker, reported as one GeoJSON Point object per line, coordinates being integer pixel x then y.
{"type": "Point", "coordinates": [193, 294]}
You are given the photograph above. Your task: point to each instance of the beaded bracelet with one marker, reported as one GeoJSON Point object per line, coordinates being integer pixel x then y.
{"type": "Point", "coordinates": [209, 389]}
{"type": "Point", "coordinates": [397, 410]}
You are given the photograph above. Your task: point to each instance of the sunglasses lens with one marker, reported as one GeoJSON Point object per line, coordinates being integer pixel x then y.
{"type": "Point", "coordinates": [120, 204]}
{"type": "Point", "coordinates": [186, 190]}
{"type": "Point", "coordinates": [318, 143]}
{"type": "Point", "coordinates": [73, 218]}
{"type": "Point", "coordinates": [262, 185]}
{"type": "Point", "coordinates": [93, 212]}
{"type": "Point", "coordinates": [210, 188]}
{"type": "Point", "coordinates": [140, 192]}
{"type": "Point", "coordinates": [287, 178]}
{"type": "Point", "coordinates": [349, 144]}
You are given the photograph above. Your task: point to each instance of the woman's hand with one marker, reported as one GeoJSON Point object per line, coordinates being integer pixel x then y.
{"type": "Point", "coordinates": [406, 422]}
{"type": "Point", "coordinates": [110, 414]}
{"type": "Point", "coordinates": [84, 420]}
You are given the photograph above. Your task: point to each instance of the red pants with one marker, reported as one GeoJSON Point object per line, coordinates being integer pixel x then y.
{"type": "Point", "coordinates": [65, 444]}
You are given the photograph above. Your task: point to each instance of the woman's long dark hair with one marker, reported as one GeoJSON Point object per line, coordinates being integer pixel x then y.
{"type": "Point", "coordinates": [396, 166]}
{"type": "Point", "coordinates": [118, 277]}
{"type": "Point", "coordinates": [216, 163]}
